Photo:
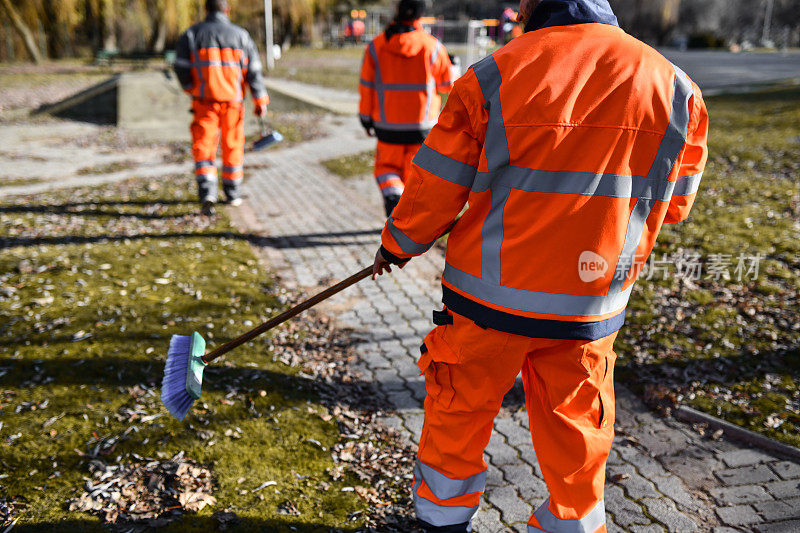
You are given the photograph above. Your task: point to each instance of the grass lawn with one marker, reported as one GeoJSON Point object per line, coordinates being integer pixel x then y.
{"type": "Point", "coordinates": [730, 347]}
{"type": "Point", "coordinates": [351, 166]}
{"type": "Point", "coordinates": [93, 283]}
{"type": "Point", "coordinates": [337, 68]}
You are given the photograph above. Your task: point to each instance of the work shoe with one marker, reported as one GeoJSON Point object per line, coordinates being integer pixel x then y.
{"type": "Point", "coordinates": [207, 208]}
{"type": "Point", "coordinates": [236, 202]}
{"type": "Point", "coordinates": [456, 528]}
{"type": "Point", "coordinates": [390, 202]}
{"type": "Point", "coordinates": [233, 191]}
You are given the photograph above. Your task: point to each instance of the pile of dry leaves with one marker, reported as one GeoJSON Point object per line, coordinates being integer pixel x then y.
{"type": "Point", "coordinates": [148, 494]}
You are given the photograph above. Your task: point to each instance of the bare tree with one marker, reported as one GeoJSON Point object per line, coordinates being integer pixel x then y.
{"type": "Point", "coordinates": [23, 30]}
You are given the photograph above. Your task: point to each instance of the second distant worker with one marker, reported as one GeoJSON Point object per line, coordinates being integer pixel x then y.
{"type": "Point", "coordinates": [404, 71]}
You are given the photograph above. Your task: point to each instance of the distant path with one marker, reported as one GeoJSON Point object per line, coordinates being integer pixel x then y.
{"type": "Point", "coordinates": [663, 475]}
{"type": "Point", "coordinates": [716, 71]}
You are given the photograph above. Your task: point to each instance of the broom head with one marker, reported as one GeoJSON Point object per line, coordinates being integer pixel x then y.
{"type": "Point", "coordinates": [183, 373]}
{"type": "Point", "coordinates": [267, 140]}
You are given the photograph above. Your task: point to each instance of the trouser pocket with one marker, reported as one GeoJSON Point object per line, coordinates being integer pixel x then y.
{"type": "Point", "coordinates": [435, 364]}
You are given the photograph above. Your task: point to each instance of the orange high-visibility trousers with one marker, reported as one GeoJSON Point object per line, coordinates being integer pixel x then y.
{"type": "Point", "coordinates": [393, 166]}
{"type": "Point", "coordinates": [569, 393]}
{"type": "Point", "coordinates": [218, 123]}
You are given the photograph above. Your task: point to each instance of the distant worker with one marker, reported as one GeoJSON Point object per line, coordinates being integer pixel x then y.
{"type": "Point", "coordinates": [569, 147]}
{"type": "Point", "coordinates": [215, 62]}
{"type": "Point", "coordinates": [403, 73]}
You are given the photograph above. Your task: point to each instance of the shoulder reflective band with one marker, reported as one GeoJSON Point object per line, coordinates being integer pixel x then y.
{"type": "Point", "coordinates": [496, 143]}
{"type": "Point", "coordinates": [445, 167]}
{"type": "Point", "coordinates": [405, 243]}
{"type": "Point", "coordinates": [552, 524]}
{"type": "Point", "coordinates": [667, 156]}
{"type": "Point", "coordinates": [378, 81]}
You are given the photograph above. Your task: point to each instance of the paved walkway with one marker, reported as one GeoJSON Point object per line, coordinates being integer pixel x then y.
{"type": "Point", "coordinates": [662, 474]}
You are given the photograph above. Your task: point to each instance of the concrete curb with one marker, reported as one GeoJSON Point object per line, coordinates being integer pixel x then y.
{"type": "Point", "coordinates": [687, 414]}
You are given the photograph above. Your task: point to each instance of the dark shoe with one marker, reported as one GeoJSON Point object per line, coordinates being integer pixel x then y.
{"type": "Point", "coordinates": [390, 202]}
{"type": "Point", "coordinates": [456, 528]}
{"type": "Point", "coordinates": [208, 209]}
{"type": "Point", "coordinates": [233, 191]}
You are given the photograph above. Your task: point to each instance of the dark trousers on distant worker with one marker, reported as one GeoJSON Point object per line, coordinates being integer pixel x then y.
{"type": "Point", "coordinates": [218, 123]}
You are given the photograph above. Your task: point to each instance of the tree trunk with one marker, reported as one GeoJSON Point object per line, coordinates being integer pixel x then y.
{"type": "Point", "coordinates": [23, 30]}
{"type": "Point", "coordinates": [109, 31]}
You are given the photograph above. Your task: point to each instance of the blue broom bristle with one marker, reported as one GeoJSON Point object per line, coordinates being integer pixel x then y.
{"type": "Point", "coordinates": [173, 388]}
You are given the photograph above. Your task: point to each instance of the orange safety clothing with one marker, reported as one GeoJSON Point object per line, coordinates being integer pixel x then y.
{"type": "Point", "coordinates": [215, 61]}
{"type": "Point", "coordinates": [571, 146]}
{"type": "Point", "coordinates": [218, 123]}
{"type": "Point", "coordinates": [393, 166]}
{"type": "Point", "coordinates": [403, 72]}
{"type": "Point", "coordinates": [569, 394]}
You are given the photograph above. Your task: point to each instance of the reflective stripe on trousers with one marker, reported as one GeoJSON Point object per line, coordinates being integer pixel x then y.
{"type": "Point", "coordinates": [444, 488]}
{"type": "Point", "coordinates": [502, 178]}
{"type": "Point", "coordinates": [390, 184]}
{"type": "Point", "coordinates": [549, 523]}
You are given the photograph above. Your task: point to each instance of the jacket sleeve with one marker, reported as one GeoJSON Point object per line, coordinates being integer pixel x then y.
{"type": "Point", "coordinates": [183, 62]}
{"type": "Point", "coordinates": [253, 74]}
{"type": "Point", "coordinates": [693, 162]}
{"type": "Point", "coordinates": [442, 71]}
{"type": "Point", "coordinates": [366, 89]}
{"type": "Point", "coordinates": [442, 175]}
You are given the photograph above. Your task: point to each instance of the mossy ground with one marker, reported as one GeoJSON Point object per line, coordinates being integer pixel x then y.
{"type": "Point", "coordinates": [351, 166]}
{"type": "Point", "coordinates": [731, 347]}
{"type": "Point", "coordinates": [95, 281]}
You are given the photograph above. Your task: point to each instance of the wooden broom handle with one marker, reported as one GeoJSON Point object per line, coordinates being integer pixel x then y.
{"type": "Point", "coordinates": [296, 310]}
{"type": "Point", "coordinates": [288, 314]}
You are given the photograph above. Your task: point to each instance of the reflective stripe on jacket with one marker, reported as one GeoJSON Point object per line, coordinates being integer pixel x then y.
{"type": "Point", "coordinates": [216, 60]}
{"type": "Point", "coordinates": [403, 72]}
{"type": "Point", "coordinates": [571, 145]}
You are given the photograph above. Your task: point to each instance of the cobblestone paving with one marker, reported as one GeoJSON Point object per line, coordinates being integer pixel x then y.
{"type": "Point", "coordinates": [662, 474]}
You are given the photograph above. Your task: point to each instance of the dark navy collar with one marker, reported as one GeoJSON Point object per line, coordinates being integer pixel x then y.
{"type": "Point", "coordinates": [217, 16]}
{"type": "Point", "coordinates": [567, 12]}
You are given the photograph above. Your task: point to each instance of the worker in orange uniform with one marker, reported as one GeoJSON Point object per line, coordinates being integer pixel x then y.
{"type": "Point", "coordinates": [571, 146]}
{"type": "Point", "coordinates": [215, 61]}
{"type": "Point", "coordinates": [404, 70]}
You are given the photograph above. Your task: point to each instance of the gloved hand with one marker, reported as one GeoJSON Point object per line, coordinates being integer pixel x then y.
{"type": "Point", "coordinates": [368, 126]}
{"type": "Point", "coordinates": [261, 109]}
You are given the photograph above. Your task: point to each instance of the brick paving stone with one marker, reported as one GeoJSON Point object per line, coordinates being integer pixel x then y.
{"type": "Point", "coordinates": [738, 515]}
{"type": "Point", "coordinates": [740, 494]}
{"type": "Point", "coordinates": [725, 529]}
{"type": "Point", "coordinates": [744, 457]}
{"type": "Point", "coordinates": [747, 475]}
{"type": "Point", "coordinates": [512, 508]}
{"type": "Point", "coordinates": [779, 510]}
{"type": "Point", "coordinates": [787, 469]}
{"type": "Point", "coordinates": [663, 510]}
{"type": "Point", "coordinates": [652, 528]}
{"type": "Point", "coordinates": [667, 461]}
{"type": "Point", "coordinates": [784, 489]}
{"type": "Point", "coordinates": [790, 526]}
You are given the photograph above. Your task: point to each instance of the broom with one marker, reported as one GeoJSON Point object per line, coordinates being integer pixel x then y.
{"type": "Point", "coordinates": [186, 358]}
{"type": "Point", "coordinates": [269, 137]}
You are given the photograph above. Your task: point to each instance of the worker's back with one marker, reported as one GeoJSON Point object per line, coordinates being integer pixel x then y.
{"type": "Point", "coordinates": [404, 70]}
{"type": "Point", "coordinates": [215, 59]}
{"type": "Point", "coordinates": [575, 169]}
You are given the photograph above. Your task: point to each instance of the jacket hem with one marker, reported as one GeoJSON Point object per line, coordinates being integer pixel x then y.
{"type": "Point", "coordinates": [401, 137]}
{"type": "Point", "coordinates": [537, 328]}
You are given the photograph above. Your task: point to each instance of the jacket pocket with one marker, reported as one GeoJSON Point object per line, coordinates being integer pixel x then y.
{"type": "Point", "coordinates": [435, 363]}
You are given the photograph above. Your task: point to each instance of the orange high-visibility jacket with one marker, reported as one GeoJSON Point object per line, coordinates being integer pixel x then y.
{"type": "Point", "coordinates": [571, 146]}
{"type": "Point", "coordinates": [403, 72]}
{"type": "Point", "coordinates": [216, 60]}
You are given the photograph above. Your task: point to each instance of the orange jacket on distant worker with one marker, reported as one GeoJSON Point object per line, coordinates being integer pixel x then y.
{"type": "Point", "coordinates": [404, 70]}
{"type": "Point", "coordinates": [571, 146]}
{"type": "Point", "coordinates": [216, 61]}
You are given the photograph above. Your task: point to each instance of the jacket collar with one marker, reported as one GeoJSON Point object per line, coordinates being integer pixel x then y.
{"type": "Point", "coordinates": [402, 27]}
{"type": "Point", "coordinates": [567, 12]}
{"type": "Point", "coordinates": [217, 16]}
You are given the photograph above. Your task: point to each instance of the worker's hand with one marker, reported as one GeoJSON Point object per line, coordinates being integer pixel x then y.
{"type": "Point", "coordinates": [261, 110]}
{"type": "Point", "coordinates": [370, 130]}
{"type": "Point", "coordinates": [381, 265]}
